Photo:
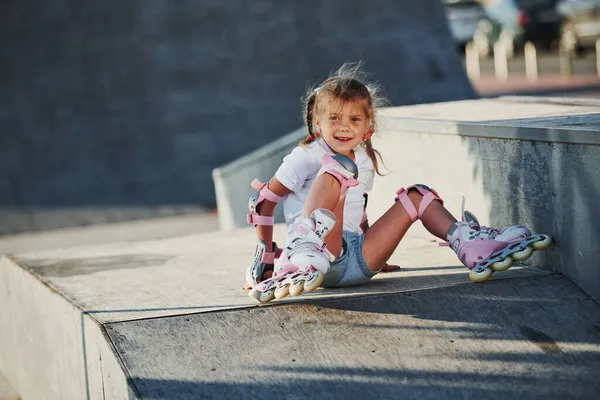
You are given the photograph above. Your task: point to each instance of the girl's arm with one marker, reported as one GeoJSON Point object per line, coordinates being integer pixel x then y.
{"type": "Point", "coordinates": [266, 208]}
{"type": "Point", "coordinates": [262, 207]}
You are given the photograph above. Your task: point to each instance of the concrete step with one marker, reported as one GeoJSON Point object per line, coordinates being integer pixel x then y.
{"type": "Point", "coordinates": [168, 319]}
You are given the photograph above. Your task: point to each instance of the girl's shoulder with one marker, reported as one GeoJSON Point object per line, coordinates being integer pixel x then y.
{"type": "Point", "coordinates": [308, 152]}
{"type": "Point", "coordinates": [363, 161]}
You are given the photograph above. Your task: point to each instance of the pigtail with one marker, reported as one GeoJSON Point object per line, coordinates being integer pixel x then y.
{"type": "Point", "coordinates": [373, 154]}
{"type": "Point", "coordinates": [309, 118]}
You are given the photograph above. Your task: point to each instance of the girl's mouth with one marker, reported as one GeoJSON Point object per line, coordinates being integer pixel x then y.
{"type": "Point", "coordinates": [342, 139]}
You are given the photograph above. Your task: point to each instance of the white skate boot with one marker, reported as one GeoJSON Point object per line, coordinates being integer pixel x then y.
{"type": "Point", "coordinates": [303, 263]}
{"type": "Point", "coordinates": [487, 250]}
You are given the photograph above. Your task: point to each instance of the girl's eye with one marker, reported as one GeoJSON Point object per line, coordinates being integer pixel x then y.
{"type": "Point", "coordinates": [333, 118]}
{"type": "Point", "coordinates": [356, 119]}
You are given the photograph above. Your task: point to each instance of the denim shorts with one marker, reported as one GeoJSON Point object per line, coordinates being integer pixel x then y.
{"type": "Point", "coordinates": [350, 269]}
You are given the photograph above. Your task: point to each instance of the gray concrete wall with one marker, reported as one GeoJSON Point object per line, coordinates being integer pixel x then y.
{"type": "Point", "coordinates": [533, 162]}
{"type": "Point", "coordinates": [133, 104]}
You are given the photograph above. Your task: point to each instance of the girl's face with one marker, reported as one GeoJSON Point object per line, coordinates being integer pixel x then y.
{"type": "Point", "coordinates": [344, 125]}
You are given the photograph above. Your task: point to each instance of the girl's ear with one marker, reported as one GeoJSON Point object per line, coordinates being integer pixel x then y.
{"type": "Point", "coordinates": [368, 134]}
{"type": "Point", "coordinates": [317, 125]}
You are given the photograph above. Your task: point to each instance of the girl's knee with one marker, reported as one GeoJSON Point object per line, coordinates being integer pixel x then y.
{"type": "Point", "coordinates": [416, 198]}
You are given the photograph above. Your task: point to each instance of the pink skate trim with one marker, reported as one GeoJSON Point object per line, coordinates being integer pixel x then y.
{"type": "Point", "coordinates": [283, 270]}
{"type": "Point", "coordinates": [476, 251]}
{"type": "Point", "coordinates": [302, 228]}
{"type": "Point", "coordinates": [264, 192]}
{"type": "Point", "coordinates": [283, 267]}
{"type": "Point", "coordinates": [339, 172]}
{"type": "Point", "coordinates": [428, 196]}
{"type": "Point", "coordinates": [269, 258]}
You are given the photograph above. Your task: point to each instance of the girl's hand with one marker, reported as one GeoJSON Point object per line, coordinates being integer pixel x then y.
{"type": "Point", "coordinates": [390, 268]}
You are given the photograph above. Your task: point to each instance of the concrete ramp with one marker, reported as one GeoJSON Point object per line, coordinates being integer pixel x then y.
{"type": "Point", "coordinates": [167, 319]}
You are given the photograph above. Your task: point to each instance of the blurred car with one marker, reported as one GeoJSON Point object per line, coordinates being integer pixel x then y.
{"type": "Point", "coordinates": [580, 24]}
{"type": "Point", "coordinates": [515, 22]}
{"type": "Point", "coordinates": [463, 18]}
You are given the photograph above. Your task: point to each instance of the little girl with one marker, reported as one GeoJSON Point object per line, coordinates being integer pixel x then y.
{"type": "Point", "coordinates": [322, 184]}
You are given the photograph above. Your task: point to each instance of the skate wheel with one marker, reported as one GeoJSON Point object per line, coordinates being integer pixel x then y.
{"type": "Point", "coordinates": [543, 243]}
{"type": "Point", "coordinates": [267, 296]}
{"type": "Point", "coordinates": [503, 265]}
{"type": "Point", "coordinates": [263, 297]}
{"type": "Point", "coordinates": [297, 288]}
{"type": "Point", "coordinates": [481, 276]}
{"type": "Point", "coordinates": [312, 284]}
{"type": "Point", "coordinates": [522, 254]}
{"type": "Point", "coordinates": [282, 291]}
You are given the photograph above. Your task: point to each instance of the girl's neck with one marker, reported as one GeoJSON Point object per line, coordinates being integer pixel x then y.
{"type": "Point", "coordinates": [324, 144]}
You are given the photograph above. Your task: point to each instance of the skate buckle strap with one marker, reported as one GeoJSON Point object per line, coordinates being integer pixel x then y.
{"type": "Point", "coordinates": [269, 258]}
{"type": "Point", "coordinates": [264, 193]}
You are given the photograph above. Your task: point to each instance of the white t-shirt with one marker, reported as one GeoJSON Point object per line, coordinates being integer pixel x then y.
{"type": "Point", "coordinates": [299, 171]}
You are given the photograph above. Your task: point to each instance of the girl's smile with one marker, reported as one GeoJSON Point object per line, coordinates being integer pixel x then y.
{"type": "Point", "coordinates": [344, 125]}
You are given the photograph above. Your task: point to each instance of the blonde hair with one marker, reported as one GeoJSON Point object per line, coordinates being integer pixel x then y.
{"type": "Point", "coordinates": [346, 84]}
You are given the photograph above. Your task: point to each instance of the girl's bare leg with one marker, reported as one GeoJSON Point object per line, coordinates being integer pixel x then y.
{"type": "Point", "coordinates": [384, 236]}
{"type": "Point", "coordinates": [325, 193]}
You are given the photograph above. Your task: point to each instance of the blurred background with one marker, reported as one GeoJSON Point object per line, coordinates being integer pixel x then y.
{"type": "Point", "coordinates": [528, 46]}
{"type": "Point", "coordinates": [113, 111]}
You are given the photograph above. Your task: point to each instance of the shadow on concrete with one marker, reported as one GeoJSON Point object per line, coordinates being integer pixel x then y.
{"type": "Point", "coordinates": [362, 383]}
{"type": "Point", "coordinates": [535, 337]}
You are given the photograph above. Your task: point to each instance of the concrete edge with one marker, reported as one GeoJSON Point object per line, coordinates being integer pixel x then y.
{"type": "Point", "coordinates": [505, 129]}
{"type": "Point", "coordinates": [262, 152]}
{"type": "Point", "coordinates": [564, 101]}
{"type": "Point", "coordinates": [487, 130]}
{"type": "Point", "coordinates": [52, 349]}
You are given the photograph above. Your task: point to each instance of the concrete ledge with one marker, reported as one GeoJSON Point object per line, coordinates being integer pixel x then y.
{"type": "Point", "coordinates": [49, 348]}
{"type": "Point", "coordinates": [168, 319]}
{"type": "Point", "coordinates": [99, 323]}
{"type": "Point", "coordinates": [511, 117]}
{"type": "Point", "coordinates": [62, 312]}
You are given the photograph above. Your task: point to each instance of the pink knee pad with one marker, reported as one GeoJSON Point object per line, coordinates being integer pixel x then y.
{"type": "Point", "coordinates": [342, 168]}
{"type": "Point", "coordinates": [264, 193]}
{"type": "Point", "coordinates": [428, 196]}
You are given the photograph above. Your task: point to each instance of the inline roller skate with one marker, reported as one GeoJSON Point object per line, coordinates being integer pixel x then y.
{"type": "Point", "coordinates": [485, 250]}
{"type": "Point", "coordinates": [303, 263]}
